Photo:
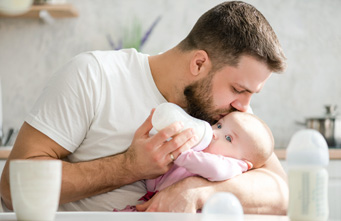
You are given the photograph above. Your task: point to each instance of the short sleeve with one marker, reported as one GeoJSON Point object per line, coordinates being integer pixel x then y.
{"type": "Point", "coordinates": [68, 103]}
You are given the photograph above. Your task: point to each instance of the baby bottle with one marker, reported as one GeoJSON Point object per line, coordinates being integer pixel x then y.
{"type": "Point", "coordinates": [307, 158]}
{"type": "Point", "coordinates": [222, 206]}
{"type": "Point", "coordinates": [168, 113]}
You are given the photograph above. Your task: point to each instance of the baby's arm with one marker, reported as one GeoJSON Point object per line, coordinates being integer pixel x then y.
{"type": "Point", "coordinates": [212, 167]}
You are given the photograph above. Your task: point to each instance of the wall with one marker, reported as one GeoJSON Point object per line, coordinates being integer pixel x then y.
{"type": "Point", "coordinates": [309, 31]}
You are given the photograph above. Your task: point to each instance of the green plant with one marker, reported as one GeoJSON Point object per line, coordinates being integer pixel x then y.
{"type": "Point", "coordinates": [133, 36]}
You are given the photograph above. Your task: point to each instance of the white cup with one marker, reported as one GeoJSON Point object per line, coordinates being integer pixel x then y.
{"type": "Point", "coordinates": [35, 188]}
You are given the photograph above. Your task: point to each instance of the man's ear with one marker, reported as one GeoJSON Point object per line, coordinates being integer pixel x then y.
{"type": "Point", "coordinates": [200, 63]}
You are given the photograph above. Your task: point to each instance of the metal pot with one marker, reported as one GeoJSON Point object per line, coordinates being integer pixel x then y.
{"type": "Point", "coordinates": [328, 125]}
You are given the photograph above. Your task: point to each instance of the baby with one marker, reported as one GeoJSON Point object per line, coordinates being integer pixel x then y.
{"type": "Point", "coordinates": [241, 141]}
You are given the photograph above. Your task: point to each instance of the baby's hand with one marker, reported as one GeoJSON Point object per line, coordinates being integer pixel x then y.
{"type": "Point", "coordinates": [249, 165]}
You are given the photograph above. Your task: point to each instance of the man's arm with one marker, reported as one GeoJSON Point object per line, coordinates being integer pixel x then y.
{"type": "Point", "coordinates": [147, 157]}
{"type": "Point", "coordinates": [80, 180]}
{"type": "Point", "coordinates": [260, 191]}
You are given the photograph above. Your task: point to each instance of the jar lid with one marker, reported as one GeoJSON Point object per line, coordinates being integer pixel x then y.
{"type": "Point", "coordinates": [330, 113]}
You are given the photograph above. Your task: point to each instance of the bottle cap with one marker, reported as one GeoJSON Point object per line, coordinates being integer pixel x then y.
{"type": "Point", "coordinates": [307, 147]}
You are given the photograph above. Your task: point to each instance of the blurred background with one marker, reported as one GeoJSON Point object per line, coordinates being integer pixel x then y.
{"type": "Point", "coordinates": [32, 49]}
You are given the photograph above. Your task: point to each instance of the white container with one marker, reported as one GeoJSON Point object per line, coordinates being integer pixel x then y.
{"type": "Point", "coordinates": [168, 113]}
{"type": "Point", "coordinates": [307, 158]}
{"type": "Point", "coordinates": [35, 188]}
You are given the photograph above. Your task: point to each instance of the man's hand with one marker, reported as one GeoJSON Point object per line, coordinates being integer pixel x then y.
{"type": "Point", "coordinates": [150, 156]}
{"type": "Point", "coordinates": [183, 196]}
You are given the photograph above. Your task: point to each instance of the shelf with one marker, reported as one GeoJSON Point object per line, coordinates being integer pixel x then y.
{"type": "Point", "coordinates": [56, 11]}
{"type": "Point", "coordinates": [4, 152]}
{"type": "Point", "coordinates": [334, 154]}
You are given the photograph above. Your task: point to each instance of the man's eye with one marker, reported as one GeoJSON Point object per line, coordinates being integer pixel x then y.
{"type": "Point", "coordinates": [237, 91]}
{"type": "Point", "coordinates": [219, 126]}
{"type": "Point", "coordinates": [228, 138]}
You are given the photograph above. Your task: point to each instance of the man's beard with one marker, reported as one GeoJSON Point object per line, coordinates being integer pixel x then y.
{"type": "Point", "coordinates": [199, 99]}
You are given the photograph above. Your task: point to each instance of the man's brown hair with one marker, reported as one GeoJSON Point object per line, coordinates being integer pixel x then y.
{"type": "Point", "coordinates": [232, 29]}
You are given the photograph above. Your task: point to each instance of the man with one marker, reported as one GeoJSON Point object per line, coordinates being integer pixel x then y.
{"type": "Point", "coordinates": [89, 112]}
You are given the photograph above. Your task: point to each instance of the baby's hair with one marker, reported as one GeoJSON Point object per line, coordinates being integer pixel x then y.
{"type": "Point", "coordinates": [257, 154]}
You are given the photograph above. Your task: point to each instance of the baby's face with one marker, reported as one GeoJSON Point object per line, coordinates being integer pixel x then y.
{"type": "Point", "coordinates": [230, 138]}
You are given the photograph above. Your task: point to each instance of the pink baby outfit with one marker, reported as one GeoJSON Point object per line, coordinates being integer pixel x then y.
{"type": "Point", "coordinates": [192, 163]}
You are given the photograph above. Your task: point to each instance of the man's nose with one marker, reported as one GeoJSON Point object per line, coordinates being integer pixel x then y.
{"type": "Point", "coordinates": [242, 103]}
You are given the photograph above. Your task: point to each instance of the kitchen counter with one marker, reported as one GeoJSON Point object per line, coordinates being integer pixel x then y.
{"type": "Point", "coordinates": [334, 154]}
{"type": "Point", "coordinates": [334, 188]}
{"type": "Point", "coordinates": [103, 216]}
{"type": "Point", "coordinates": [4, 152]}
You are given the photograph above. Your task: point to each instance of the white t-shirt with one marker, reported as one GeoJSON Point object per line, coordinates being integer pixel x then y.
{"type": "Point", "coordinates": [92, 107]}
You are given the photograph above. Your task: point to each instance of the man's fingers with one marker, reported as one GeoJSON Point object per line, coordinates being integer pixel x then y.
{"type": "Point", "coordinates": [189, 141]}
{"type": "Point", "coordinates": [146, 126]}
{"type": "Point", "coordinates": [172, 143]}
{"type": "Point", "coordinates": [167, 133]}
{"type": "Point", "coordinates": [142, 207]}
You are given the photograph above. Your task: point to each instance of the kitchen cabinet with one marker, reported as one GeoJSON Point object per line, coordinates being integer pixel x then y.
{"type": "Point", "coordinates": [55, 10]}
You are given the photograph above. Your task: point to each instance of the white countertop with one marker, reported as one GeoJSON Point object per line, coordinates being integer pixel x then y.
{"type": "Point", "coordinates": [133, 216]}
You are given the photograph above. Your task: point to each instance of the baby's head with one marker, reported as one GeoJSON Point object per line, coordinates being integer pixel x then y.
{"type": "Point", "coordinates": [242, 136]}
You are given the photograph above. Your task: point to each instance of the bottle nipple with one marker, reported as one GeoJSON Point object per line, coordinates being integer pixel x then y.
{"type": "Point", "coordinates": [168, 113]}
{"type": "Point", "coordinates": [307, 147]}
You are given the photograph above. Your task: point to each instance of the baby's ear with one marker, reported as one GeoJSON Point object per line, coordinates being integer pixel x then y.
{"type": "Point", "coordinates": [249, 165]}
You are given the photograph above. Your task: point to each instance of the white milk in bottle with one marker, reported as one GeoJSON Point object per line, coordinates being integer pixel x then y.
{"type": "Point", "coordinates": [307, 158]}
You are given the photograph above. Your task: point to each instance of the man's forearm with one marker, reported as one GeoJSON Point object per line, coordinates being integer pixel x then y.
{"type": "Point", "coordinates": [79, 180]}
{"type": "Point", "coordinates": [86, 179]}
{"type": "Point", "coordinates": [147, 157]}
{"type": "Point", "coordinates": [260, 191]}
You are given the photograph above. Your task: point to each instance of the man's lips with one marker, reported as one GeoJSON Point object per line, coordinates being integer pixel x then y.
{"type": "Point", "coordinates": [219, 116]}
{"type": "Point", "coordinates": [223, 115]}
